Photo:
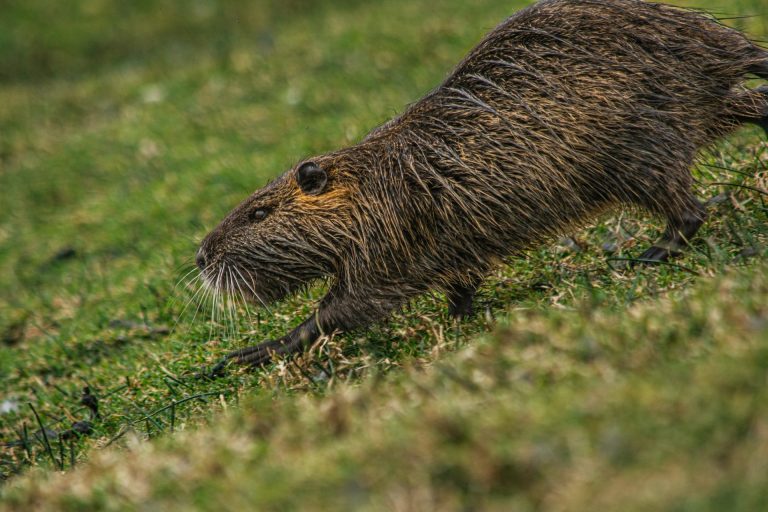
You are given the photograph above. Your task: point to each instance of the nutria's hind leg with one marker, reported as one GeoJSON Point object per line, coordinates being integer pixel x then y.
{"type": "Point", "coordinates": [763, 121]}
{"type": "Point", "coordinates": [681, 227]}
{"type": "Point", "coordinates": [761, 69]}
{"type": "Point", "coordinates": [754, 104]}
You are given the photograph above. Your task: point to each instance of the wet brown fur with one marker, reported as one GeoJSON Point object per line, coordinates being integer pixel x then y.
{"type": "Point", "coordinates": [566, 109]}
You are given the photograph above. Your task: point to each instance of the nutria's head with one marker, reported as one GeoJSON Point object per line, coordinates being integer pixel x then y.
{"type": "Point", "coordinates": [282, 237]}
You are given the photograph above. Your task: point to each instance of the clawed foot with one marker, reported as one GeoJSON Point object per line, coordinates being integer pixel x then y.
{"type": "Point", "coordinates": [258, 355]}
{"type": "Point", "coordinates": [253, 356]}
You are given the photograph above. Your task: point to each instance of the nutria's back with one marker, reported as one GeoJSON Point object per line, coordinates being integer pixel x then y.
{"type": "Point", "coordinates": [567, 108]}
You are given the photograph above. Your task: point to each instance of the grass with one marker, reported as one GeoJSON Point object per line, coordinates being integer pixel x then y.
{"type": "Point", "coordinates": [128, 132]}
{"type": "Point", "coordinates": [661, 408]}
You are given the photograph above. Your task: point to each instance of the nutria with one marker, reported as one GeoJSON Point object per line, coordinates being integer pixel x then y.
{"type": "Point", "coordinates": [566, 109]}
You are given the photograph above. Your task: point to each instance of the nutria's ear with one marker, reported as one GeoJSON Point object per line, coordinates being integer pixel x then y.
{"type": "Point", "coordinates": [311, 178]}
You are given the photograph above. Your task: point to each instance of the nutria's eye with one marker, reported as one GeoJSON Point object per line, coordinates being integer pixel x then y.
{"type": "Point", "coordinates": [258, 215]}
{"type": "Point", "coordinates": [311, 178]}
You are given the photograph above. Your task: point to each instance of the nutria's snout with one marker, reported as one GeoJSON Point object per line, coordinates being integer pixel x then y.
{"type": "Point", "coordinates": [200, 259]}
{"type": "Point", "coordinates": [209, 263]}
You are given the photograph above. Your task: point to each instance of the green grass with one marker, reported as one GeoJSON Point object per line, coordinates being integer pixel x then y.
{"type": "Point", "coordinates": [128, 132]}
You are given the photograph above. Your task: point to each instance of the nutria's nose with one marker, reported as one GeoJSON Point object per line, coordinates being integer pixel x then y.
{"type": "Point", "coordinates": [200, 259]}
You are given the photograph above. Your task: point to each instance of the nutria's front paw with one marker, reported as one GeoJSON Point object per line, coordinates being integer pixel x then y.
{"type": "Point", "coordinates": [252, 356]}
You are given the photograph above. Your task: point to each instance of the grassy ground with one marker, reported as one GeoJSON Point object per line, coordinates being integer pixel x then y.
{"type": "Point", "coordinates": [127, 132]}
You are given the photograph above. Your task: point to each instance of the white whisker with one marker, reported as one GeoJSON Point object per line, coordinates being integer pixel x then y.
{"type": "Point", "coordinates": [250, 287]}
{"type": "Point", "coordinates": [189, 301]}
{"type": "Point", "coordinates": [242, 295]}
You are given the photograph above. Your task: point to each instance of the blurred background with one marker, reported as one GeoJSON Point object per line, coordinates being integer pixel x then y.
{"type": "Point", "coordinates": [41, 40]}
